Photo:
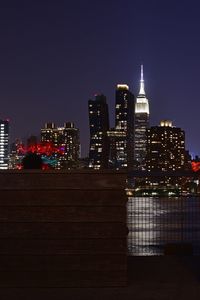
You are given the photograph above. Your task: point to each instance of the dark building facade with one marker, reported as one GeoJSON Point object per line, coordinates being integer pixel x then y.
{"type": "Point", "coordinates": [32, 141]}
{"type": "Point", "coordinates": [99, 125]}
{"type": "Point", "coordinates": [121, 138]}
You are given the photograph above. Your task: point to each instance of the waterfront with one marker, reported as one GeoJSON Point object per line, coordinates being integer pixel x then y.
{"type": "Point", "coordinates": [154, 222]}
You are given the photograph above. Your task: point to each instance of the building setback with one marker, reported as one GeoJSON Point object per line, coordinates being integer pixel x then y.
{"type": "Point", "coordinates": [99, 125]}
{"type": "Point", "coordinates": [4, 144]}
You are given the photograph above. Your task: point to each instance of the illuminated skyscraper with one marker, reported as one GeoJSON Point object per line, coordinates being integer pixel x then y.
{"type": "Point", "coordinates": [4, 144]}
{"type": "Point", "coordinates": [16, 154]}
{"type": "Point", "coordinates": [99, 125]}
{"type": "Point", "coordinates": [141, 125]}
{"type": "Point", "coordinates": [117, 149]}
{"type": "Point", "coordinates": [165, 148]}
{"type": "Point", "coordinates": [122, 136]}
{"type": "Point", "coordinates": [71, 141]}
{"type": "Point", "coordinates": [165, 152]}
{"type": "Point", "coordinates": [66, 139]}
{"type": "Point", "coordinates": [48, 133]}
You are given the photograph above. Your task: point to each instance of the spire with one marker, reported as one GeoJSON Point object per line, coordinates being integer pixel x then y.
{"type": "Point", "coordinates": [142, 91]}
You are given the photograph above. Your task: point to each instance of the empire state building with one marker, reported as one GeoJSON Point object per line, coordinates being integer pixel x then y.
{"type": "Point", "coordinates": [141, 124]}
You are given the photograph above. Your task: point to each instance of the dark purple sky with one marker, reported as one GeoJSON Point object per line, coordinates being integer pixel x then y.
{"type": "Point", "coordinates": [55, 55]}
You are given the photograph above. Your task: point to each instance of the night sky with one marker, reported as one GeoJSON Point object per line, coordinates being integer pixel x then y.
{"type": "Point", "coordinates": [55, 55]}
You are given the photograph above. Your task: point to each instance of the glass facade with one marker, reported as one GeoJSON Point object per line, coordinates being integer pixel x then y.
{"type": "Point", "coordinates": [4, 144]}
{"type": "Point", "coordinates": [99, 125]}
{"type": "Point", "coordinates": [121, 138]}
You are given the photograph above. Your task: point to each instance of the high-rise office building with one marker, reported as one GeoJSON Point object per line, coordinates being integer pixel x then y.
{"type": "Point", "coordinates": [141, 125]}
{"type": "Point", "coordinates": [66, 143]}
{"type": "Point", "coordinates": [48, 133]}
{"type": "Point", "coordinates": [165, 148]}
{"type": "Point", "coordinates": [121, 138]}
{"type": "Point", "coordinates": [71, 141]}
{"type": "Point", "coordinates": [117, 149]}
{"type": "Point", "coordinates": [4, 144]}
{"type": "Point", "coordinates": [99, 125]}
{"type": "Point", "coordinates": [17, 153]}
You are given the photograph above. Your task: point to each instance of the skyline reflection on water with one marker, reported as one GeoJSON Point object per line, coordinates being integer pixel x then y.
{"type": "Point", "coordinates": [154, 222]}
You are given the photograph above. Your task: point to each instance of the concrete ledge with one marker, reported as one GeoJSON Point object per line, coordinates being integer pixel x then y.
{"type": "Point", "coordinates": [62, 229]}
{"type": "Point", "coordinates": [181, 249]}
{"type": "Point", "coordinates": [155, 278]}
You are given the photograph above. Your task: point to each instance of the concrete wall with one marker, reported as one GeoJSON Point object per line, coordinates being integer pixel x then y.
{"type": "Point", "coordinates": [62, 229]}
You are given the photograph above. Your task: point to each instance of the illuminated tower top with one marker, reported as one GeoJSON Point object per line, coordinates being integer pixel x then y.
{"type": "Point", "coordinates": [142, 103]}
{"type": "Point", "coordinates": [142, 91]}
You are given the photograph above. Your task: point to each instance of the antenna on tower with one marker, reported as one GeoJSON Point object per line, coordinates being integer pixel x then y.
{"type": "Point", "coordinates": [142, 91]}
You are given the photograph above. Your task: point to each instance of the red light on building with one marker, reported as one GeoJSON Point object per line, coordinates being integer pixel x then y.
{"type": "Point", "coordinates": [47, 149]}
{"type": "Point", "coordinates": [45, 167]}
{"type": "Point", "coordinates": [195, 166]}
{"type": "Point", "coordinates": [19, 167]}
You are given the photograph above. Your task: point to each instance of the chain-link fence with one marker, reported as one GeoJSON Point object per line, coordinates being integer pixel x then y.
{"type": "Point", "coordinates": [155, 222]}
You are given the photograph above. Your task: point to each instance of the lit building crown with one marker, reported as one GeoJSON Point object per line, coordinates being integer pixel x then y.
{"type": "Point", "coordinates": [122, 87]}
{"type": "Point", "coordinates": [166, 123]}
{"type": "Point", "coordinates": [142, 103]}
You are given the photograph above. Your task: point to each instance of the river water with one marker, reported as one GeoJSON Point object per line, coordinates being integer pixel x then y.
{"type": "Point", "coordinates": [154, 222]}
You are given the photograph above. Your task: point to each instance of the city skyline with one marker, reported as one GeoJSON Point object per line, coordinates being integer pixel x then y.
{"type": "Point", "coordinates": [87, 150]}
{"type": "Point", "coordinates": [51, 64]}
